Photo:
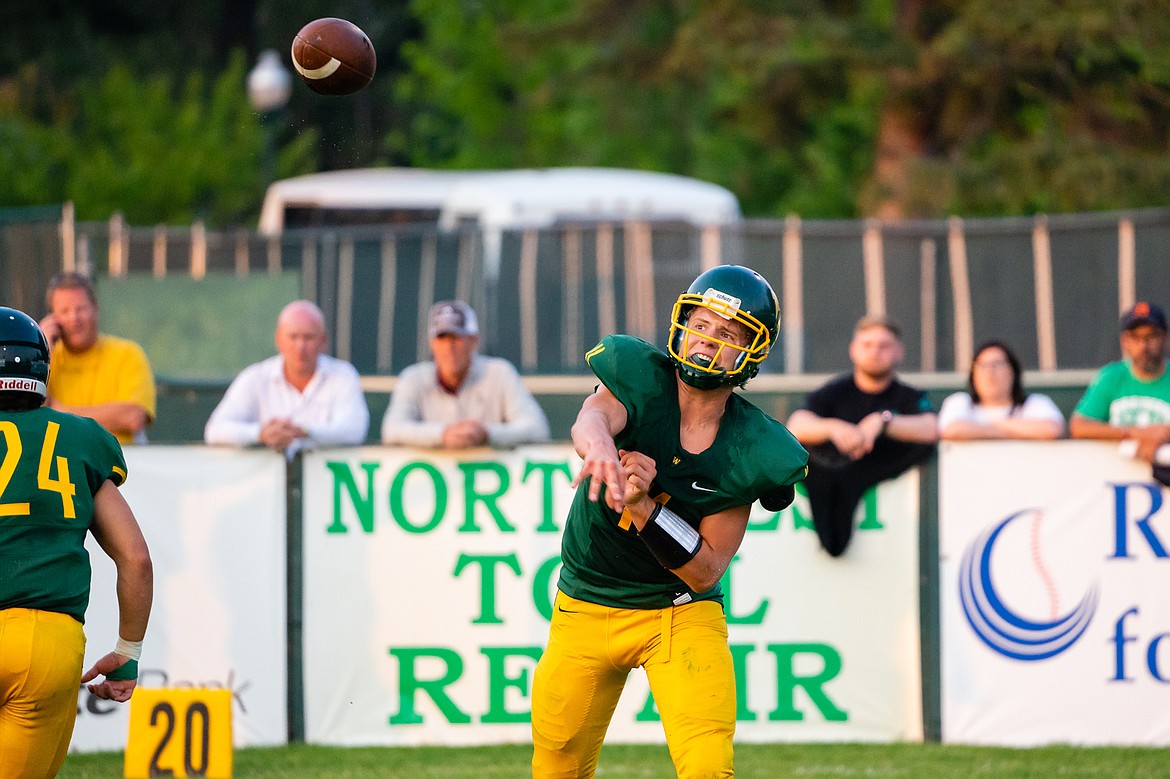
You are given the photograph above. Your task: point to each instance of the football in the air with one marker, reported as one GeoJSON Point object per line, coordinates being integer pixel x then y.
{"type": "Point", "coordinates": [333, 56]}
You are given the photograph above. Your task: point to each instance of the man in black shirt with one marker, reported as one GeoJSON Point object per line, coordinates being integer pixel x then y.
{"type": "Point", "coordinates": [860, 429]}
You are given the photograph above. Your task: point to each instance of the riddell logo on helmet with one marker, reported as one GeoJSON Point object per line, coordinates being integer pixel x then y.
{"type": "Point", "coordinates": [21, 385]}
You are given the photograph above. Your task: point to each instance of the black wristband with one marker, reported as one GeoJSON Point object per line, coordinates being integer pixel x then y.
{"type": "Point", "coordinates": [670, 539]}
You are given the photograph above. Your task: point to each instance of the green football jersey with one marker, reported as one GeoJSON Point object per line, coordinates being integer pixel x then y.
{"type": "Point", "coordinates": [606, 563]}
{"type": "Point", "coordinates": [51, 466]}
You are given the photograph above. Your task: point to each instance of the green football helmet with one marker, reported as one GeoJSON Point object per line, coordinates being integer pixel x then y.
{"type": "Point", "coordinates": [24, 354]}
{"type": "Point", "coordinates": [734, 293]}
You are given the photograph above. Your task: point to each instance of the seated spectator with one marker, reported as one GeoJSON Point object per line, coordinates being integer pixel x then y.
{"type": "Point", "coordinates": [95, 375]}
{"type": "Point", "coordinates": [461, 398]}
{"type": "Point", "coordinates": [299, 398]}
{"type": "Point", "coordinates": [995, 404]}
{"type": "Point", "coordinates": [1129, 400]}
{"type": "Point", "coordinates": [861, 428]}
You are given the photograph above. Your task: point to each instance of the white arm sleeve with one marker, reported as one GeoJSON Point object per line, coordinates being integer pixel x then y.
{"type": "Point", "coordinates": [236, 420]}
{"type": "Point", "coordinates": [349, 416]}
{"type": "Point", "coordinates": [957, 407]}
{"type": "Point", "coordinates": [526, 422]}
{"type": "Point", "coordinates": [402, 424]}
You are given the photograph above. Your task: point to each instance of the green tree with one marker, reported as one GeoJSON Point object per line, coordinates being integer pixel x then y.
{"type": "Point", "coordinates": [67, 132]}
{"type": "Point", "coordinates": [156, 152]}
{"type": "Point", "coordinates": [1027, 107]}
{"type": "Point", "coordinates": [826, 108]}
{"type": "Point", "coordinates": [754, 99]}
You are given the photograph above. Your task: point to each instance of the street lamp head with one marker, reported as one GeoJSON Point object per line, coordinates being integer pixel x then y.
{"type": "Point", "coordinates": [269, 83]}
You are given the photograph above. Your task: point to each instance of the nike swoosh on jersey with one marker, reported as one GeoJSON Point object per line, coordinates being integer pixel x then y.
{"type": "Point", "coordinates": [697, 486]}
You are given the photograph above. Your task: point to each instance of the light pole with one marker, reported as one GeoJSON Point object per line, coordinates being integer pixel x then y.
{"type": "Point", "coordinates": [269, 87]}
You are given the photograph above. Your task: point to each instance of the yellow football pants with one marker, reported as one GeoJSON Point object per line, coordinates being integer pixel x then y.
{"type": "Point", "coordinates": [580, 676]}
{"type": "Point", "coordinates": [41, 653]}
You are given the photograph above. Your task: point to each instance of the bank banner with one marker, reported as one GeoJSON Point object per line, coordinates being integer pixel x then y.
{"type": "Point", "coordinates": [428, 586]}
{"type": "Point", "coordinates": [215, 523]}
{"type": "Point", "coordinates": [1054, 580]}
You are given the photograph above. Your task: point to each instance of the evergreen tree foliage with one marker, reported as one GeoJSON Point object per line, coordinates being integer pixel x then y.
{"type": "Point", "coordinates": [824, 108]}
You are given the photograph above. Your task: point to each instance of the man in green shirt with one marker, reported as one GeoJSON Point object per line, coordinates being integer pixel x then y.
{"type": "Point", "coordinates": [1130, 399]}
{"type": "Point", "coordinates": [59, 477]}
{"type": "Point", "coordinates": [673, 460]}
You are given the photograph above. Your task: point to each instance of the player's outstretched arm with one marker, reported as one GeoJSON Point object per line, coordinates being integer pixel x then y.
{"type": "Point", "coordinates": [117, 532]}
{"type": "Point", "coordinates": [602, 416]}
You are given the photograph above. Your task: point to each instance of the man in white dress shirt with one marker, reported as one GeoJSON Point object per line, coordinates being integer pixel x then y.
{"type": "Point", "coordinates": [461, 399]}
{"type": "Point", "coordinates": [299, 398]}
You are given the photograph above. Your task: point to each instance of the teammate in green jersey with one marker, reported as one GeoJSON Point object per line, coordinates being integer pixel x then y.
{"type": "Point", "coordinates": [673, 460]}
{"type": "Point", "coordinates": [59, 477]}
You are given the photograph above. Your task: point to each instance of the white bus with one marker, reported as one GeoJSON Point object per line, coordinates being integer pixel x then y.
{"type": "Point", "coordinates": [492, 200]}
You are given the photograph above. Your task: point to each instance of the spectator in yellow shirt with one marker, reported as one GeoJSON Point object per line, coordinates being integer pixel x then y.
{"type": "Point", "coordinates": [95, 375]}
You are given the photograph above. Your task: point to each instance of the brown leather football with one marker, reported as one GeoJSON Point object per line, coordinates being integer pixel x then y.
{"type": "Point", "coordinates": [333, 56]}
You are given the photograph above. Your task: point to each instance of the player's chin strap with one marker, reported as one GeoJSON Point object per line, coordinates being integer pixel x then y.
{"type": "Point", "coordinates": [670, 539]}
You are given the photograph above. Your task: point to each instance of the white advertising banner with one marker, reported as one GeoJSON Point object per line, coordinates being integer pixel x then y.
{"type": "Point", "coordinates": [1054, 579]}
{"type": "Point", "coordinates": [428, 584]}
{"type": "Point", "coordinates": [215, 523]}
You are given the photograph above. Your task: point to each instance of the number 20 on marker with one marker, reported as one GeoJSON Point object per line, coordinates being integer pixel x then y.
{"type": "Point", "coordinates": [180, 733]}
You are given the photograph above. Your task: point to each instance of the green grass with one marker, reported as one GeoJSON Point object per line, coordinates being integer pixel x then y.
{"type": "Point", "coordinates": [753, 761]}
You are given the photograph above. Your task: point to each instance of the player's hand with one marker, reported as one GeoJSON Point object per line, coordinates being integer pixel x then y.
{"type": "Point", "coordinates": [109, 689]}
{"type": "Point", "coordinates": [603, 466]}
{"type": "Point", "coordinates": [640, 472]}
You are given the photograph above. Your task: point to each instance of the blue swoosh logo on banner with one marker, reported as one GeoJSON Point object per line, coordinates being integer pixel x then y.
{"type": "Point", "coordinates": [1005, 631]}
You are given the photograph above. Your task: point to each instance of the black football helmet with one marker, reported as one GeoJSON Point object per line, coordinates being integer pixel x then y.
{"type": "Point", "coordinates": [732, 292]}
{"type": "Point", "coordinates": [24, 354]}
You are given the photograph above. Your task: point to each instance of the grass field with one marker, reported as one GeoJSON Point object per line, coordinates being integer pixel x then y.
{"type": "Point", "coordinates": [753, 761]}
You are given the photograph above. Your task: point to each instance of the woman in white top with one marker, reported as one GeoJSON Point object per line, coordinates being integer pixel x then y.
{"type": "Point", "coordinates": [995, 404]}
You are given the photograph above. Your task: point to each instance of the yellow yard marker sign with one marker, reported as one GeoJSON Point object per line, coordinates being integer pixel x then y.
{"type": "Point", "coordinates": [180, 732]}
